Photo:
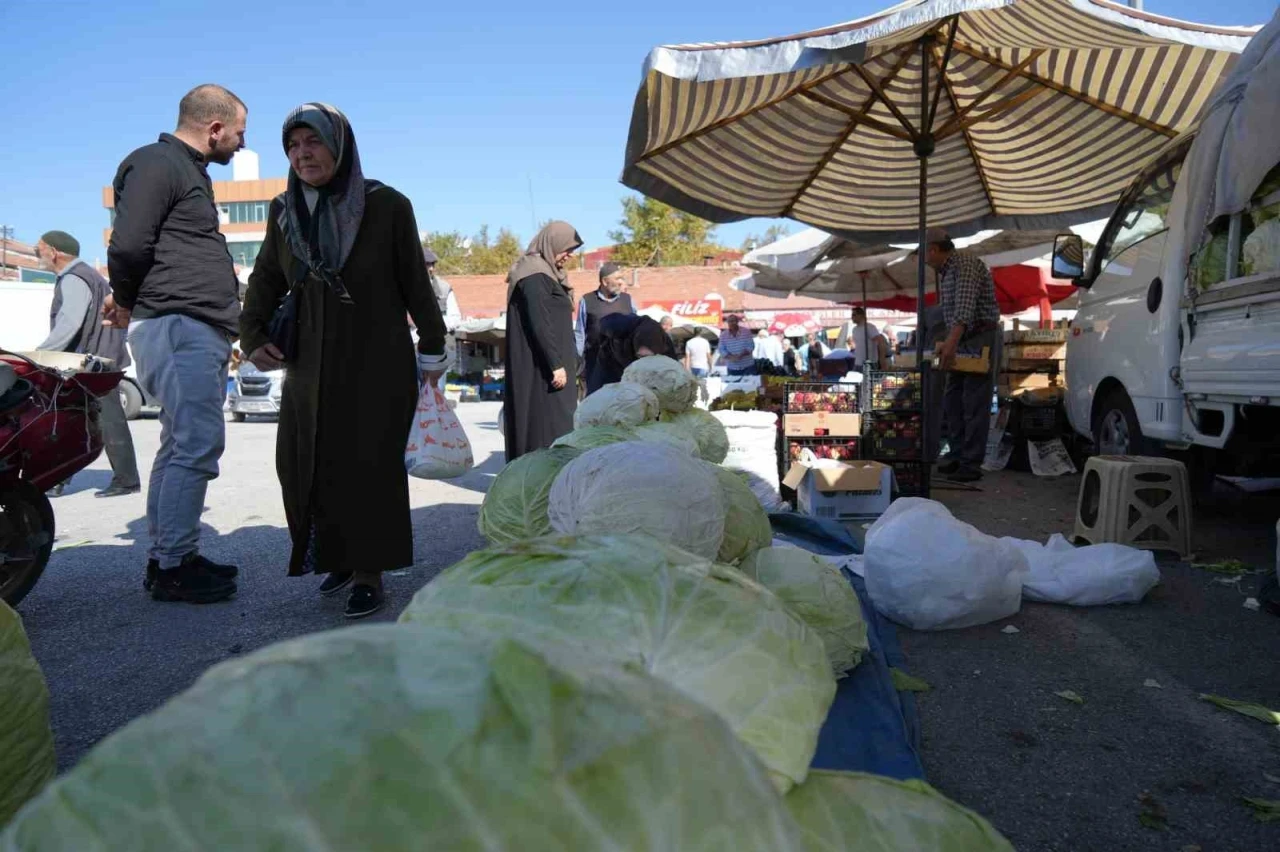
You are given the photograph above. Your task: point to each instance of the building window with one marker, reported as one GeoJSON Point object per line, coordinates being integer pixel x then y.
{"type": "Point", "coordinates": [243, 212]}
{"type": "Point", "coordinates": [244, 254]}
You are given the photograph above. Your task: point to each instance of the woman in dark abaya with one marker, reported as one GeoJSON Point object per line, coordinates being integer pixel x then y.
{"type": "Point", "coordinates": [350, 247]}
{"type": "Point", "coordinates": [540, 395]}
{"type": "Point", "coordinates": [625, 338]}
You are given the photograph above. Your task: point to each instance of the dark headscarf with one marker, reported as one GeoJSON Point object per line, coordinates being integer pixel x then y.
{"type": "Point", "coordinates": [322, 239]}
{"type": "Point", "coordinates": [620, 336]}
{"type": "Point", "coordinates": [540, 256]}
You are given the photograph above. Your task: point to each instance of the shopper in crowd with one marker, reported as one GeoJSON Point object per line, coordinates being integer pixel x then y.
{"type": "Point", "coordinates": [858, 336]}
{"type": "Point", "coordinates": [625, 338]}
{"type": "Point", "coordinates": [737, 348]}
{"type": "Point", "coordinates": [75, 325]}
{"type": "Point", "coordinates": [972, 318]}
{"type": "Point", "coordinates": [174, 288]}
{"type": "Point", "coordinates": [605, 300]}
{"type": "Point", "coordinates": [540, 396]}
{"type": "Point", "coordinates": [790, 358]}
{"type": "Point", "coordinates": [349, 247]}
{"type": "Point", "coordinates": [697, 360]}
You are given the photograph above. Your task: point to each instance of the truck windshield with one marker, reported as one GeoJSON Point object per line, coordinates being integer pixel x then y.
{"type": "Point", "coordinates": [1144, 215]}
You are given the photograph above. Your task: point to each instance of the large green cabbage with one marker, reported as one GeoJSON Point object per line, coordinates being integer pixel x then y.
{"type": "Point", "coordinates": [26, 743]}
{"type": "Point", "coordinates": [515, 506]}
{"type": "Point", "coordinates": [817, 592]}
{"type": "Point", "coordinates": [704, 628]}
{"type": "Point", "coordinates": [590, 437]}
{"type": "Point", "coordinates": [675, 387]}
{"type": "Point", "coordinates": [712, 437]}
{"type": "Point", "coordinates": [853, 810]}
{"type": "Point", "coordinates": [746, 525]}
{"type": "Point", "coordinates": [618, 404]}
{"type": "Point", "coordinates": [394, 738]}
{"type": "Point", "coordinates": [640, 487]}
{"type": "Point", "coordinates": [666, 433]}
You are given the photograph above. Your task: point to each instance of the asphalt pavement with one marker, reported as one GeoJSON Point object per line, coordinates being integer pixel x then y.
{"type": "Point", "coordinates": [1051, 774]}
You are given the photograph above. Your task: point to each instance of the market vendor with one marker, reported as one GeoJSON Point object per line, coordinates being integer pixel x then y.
{"type": "Point", "coordinates": [737, 348]}
{"type": "Point", "coordinates": [972, 317]}
{"type": "Point", "coordinates": [607, 299]}
{"type": "Point", "coordinates": [624, 338]}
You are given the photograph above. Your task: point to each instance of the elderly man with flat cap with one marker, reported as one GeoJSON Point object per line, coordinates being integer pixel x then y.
{"type": "Point", "coordinates": [972, 317]}
{"type": "Point", "coordinates": [75, 325]}
{"type": "Point", "coordinates": [608, 298]}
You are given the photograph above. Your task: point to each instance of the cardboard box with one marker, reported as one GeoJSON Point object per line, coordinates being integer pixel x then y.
{"type": "Point", "coordinates": [1011, 383]}
{"type": "Point", "coordinates": [822, 425]}
{"type": "Point", "coordinates": [1037, 335]}
{"type": "Point", "coordinates": [969, 363]}
{"type": "Point", "coordinates": [1036, 351]}
{"type": "Point", "coordinates": [1019, 365]}
{"type": "Point", "coordinates": [841, 490]}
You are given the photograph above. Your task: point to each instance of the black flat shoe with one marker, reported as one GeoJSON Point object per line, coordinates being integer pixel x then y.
{"type": "Point", "coordinates": [335, 582]}
{"type": "Point", "coordinates": [364, 601]}
{"type": "Point", "coordinates": [118, 491]}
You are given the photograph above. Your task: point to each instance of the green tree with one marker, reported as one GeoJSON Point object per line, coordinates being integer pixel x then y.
{"type": "Point", "coordinates": [476, 255]}
{"type": "Point", "coordinates": [657, 234]}
{"type": "Point", "coordinates": [771, 234]}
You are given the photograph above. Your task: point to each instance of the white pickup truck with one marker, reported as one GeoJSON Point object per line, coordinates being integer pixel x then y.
{"type": "Point", "coordinates": [1176, 344]}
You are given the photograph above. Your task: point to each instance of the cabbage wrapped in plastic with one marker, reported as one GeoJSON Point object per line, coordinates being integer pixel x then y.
{"type": "Point", "coordinates": [634, 600]}
{"type": "Point", "coordinates": [712, 437]}
{"type": "Point", "coordinates": [618, 404]}
{"type": "Point", "coordinates": [746, 524]}
{"type": "Point", "coordinates": [27, 760]}
{"type": "Point", "coordinates": [640, 487]}
{"type": "Point", "coordinates": [669, 435]}
{"type": "Point", "coordinates": [675, 387]}
{"type": "Point", "coordinates": [394, 738]}
{"type": "Point", "coordinates": [869, 813]}
{"type": "Point", "coordinates": [817, 592]}
{"type": "Point", "coordinates": [515, 506]}
{"type": "Point", "coordinates": [590, 437]}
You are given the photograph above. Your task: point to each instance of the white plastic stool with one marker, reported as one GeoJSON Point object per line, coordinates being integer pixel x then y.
{"type": "Point", "coordinates": [1141, 501]}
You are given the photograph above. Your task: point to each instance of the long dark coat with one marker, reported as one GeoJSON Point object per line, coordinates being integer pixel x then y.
{"type": "Point", "coordinates": [351, 395]}
{"type": "Point", "coordinates": [539, 341]}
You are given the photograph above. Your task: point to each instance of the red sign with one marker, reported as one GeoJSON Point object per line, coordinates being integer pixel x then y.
{"type": "Point", "coordinates": [701, 311]}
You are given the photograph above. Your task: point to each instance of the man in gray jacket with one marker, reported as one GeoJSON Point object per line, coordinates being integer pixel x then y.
{"type": "Point", "coordinates": [174, 288]}
{"type": "Point", "coordinates": [75, 325]}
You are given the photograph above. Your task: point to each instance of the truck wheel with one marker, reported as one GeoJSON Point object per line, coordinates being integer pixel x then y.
{"type": "Point", "coordinates": [130, 400]}
{"type": "Point", "coordinates": [239, 416]}
{"type": "Point", "coordinates": [1115, 427]}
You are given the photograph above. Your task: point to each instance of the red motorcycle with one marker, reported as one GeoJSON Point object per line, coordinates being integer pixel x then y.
{"type": "Point", "coordinates": [48, 432]}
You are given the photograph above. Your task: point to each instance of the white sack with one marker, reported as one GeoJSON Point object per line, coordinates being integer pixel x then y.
{"type": "Point", "coordinates": [1086, 576]}
{"type": "Point", "coordinates": [753, 451]}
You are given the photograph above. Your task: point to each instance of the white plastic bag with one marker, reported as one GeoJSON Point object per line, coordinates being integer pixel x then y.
{"type": "Point", "coordinates": [753, 451]}
{"type": "Point", "coordinates": [438, 447]}
{"type": "Point", "coordinates": [1086, 576]}
{"type": "Point", "coordinates": [929, 571]}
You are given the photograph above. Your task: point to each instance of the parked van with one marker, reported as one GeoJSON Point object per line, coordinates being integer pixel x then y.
{"type": "Point", "coordinates": [1176, 344]}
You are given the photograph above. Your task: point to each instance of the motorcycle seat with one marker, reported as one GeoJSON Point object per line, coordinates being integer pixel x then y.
{"type": "Point", "coordinates": [13, 390]}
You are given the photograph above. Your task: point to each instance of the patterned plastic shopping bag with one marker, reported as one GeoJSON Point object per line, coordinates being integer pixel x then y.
{"type": "Point", "coordinates": [438, 447]}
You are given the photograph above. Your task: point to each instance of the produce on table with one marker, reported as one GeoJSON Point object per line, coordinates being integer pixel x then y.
{"type": "Point", "coordinates": [636, 601]}
{"type": "Point", "coordinates": [643, 487]}
{"type": "Point", "coordinates": [816, 591]}
{"type": "Point", "coordinates": [590, 437]}
{"type": "Point", "coordinates": [27, 760]}
{"type": "Point", "coordinates": [713, 440]}
{"type": "Point", "coordinates": [404, 738]}
{"type": "Point", "coordinates": [840, 449]}
{"type": "Point", "coordinates": [618, 404]}
{"type": "Point", "coordinates": [746, 524]}
{"type": "Point", "coordinates": [675, 387]}
{"type": "Point", "coordinates": [869, 813]}
{"type": "Point", "coordinates": [839, 402]}
{"type": "Point", "coordinates": [515, 507]}
{"type": "Point", "coordinates": [737, 400]}
{"type": "Point", "coordinates": [669, 435]}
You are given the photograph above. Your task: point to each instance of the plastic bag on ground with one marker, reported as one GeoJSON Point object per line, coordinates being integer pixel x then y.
{"type": "Point", "coordinates": [438, 447]}
{"type": "Point", "coordinates": [929, 571]}
{"type": "Point", "coordinates": [1086, 576]}
{"type": "Point", "coordinates": [753, 439]}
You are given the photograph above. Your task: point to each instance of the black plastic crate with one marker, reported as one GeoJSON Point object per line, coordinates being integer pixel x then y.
{"type": "Point", "coordinates": [880, 448]}
{"type": "Point", "coordinates": [911, 478]}
{"type": "Point", "coordinates": [821, 397]}
{"type": "Point", "coordinates": [1034, 421]}
{"type": "Point", "coordinates": [894, 390]}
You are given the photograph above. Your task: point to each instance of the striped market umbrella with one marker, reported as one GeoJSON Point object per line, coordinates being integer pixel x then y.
{"type": "Point", "coordinates": [968, 114]}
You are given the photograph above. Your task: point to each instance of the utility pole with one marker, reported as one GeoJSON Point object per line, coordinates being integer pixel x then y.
{"type": "Point", "coordinates": [6, 233]}
{"type": "Point", "coordinates": [1135, 4]}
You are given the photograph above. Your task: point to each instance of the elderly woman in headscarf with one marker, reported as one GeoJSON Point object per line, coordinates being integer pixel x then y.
{"type": "Point", "coordinates": [625, 338]}
{"type": "Point", "coordinates": [349, 248]}
{"type": "Point", "coordinates": [542, 354]}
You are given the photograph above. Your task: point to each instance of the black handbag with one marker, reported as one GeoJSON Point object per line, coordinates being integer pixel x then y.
{"type": "Point", "coordinates": [282, 330]}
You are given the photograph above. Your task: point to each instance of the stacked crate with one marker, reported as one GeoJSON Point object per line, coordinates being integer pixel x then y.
{"type": "Point", "coordinates": [893, 430]}
{"type": "Point", "coordinates": [1032, 359]}
{"type": "Point", "coordinates": [821, 417]}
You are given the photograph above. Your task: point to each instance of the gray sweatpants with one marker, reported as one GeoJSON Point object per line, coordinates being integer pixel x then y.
{"type": "Point", "coordinates": [182, 363]}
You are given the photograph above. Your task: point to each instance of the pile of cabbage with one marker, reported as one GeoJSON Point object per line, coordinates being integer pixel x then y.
{"type": "Point", "coordinates": [630, 665]}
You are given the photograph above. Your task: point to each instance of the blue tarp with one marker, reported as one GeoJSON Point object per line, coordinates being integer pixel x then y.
{"type": "Point", "coordinates": [871, 727]}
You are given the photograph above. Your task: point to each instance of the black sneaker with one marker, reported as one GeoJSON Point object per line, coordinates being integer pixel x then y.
{"type": "Point", "coordinates": [191, 582]}
{"type": "Point", "coordinates": [225, 572]}
{"type": "Point", "coordinates": [946, 466]}
{"type": "Point", "coordinates": [963, 473]}
{"type": "Point", "coordinates": [335, 582]}
{"type": "Point", "coordinates": [364, 601]}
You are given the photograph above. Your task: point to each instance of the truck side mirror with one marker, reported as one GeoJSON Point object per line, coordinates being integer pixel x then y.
{"type": "Point", "coordinates": [1068, 257]}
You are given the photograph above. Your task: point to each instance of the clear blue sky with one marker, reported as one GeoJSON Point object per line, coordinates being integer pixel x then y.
{"type": "Point", "coordinates": [459, 105]}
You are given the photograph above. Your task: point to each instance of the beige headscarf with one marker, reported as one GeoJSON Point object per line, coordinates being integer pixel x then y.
{"type": "Point", "coordinates": [540, 256]}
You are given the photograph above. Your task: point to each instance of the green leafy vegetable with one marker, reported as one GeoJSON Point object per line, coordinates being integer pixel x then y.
{"type": "Point", "coordinates": [590, 437]}
{"type": "Point", "coordinates": [515, 507]}
{"type": "Point", "coordinates": [1246, 708]}
{"type": "Point", "coordinates": [27, 760]}
{"type": "Point", "coordinates": [634, 600]}
{"type": "Point", "coordinates": [904, 682]}
{"type": "Point", "coordinates": [746, 524]}
{"type": "Point", "coordinates": [712, 437]}
{"type": "Point", "coordinates": [397, 738]}
{"type": "Point", "coordinates": [675, 387]}
{"type": "Point", "coordinates": [1264, 810]}
{"type": "Point", "coordinates": [1069, 695]}
{"type": "Point", "coordinates": [618, 404]}
{"type": "Point", "coordinates": [666, 433]}
{"type": "Point", "coordinates": [817, 592]}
